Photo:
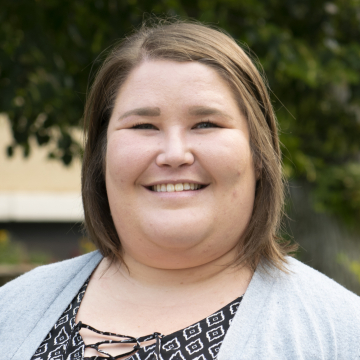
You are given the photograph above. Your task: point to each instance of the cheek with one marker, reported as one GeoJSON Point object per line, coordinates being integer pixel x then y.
{"type": "Point", "coordinates": [230, 160]}
{"type": "Point", "coordinates": [126, 158]}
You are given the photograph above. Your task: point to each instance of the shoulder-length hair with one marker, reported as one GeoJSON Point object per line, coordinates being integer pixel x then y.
{"type": "Point", "coordinates": [188, 41]}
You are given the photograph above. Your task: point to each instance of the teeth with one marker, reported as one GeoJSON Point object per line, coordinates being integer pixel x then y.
{"type": "Point", "coordinates": [170, 188]}
{"type": "Point", "coordinates": [176, 187]}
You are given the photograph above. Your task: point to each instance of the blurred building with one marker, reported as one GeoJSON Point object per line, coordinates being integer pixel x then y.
{"type": "Point", "coordinates": [40, 199]}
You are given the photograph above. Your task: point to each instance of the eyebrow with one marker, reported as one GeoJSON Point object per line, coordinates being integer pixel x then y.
{"type": "Point", "coordinates": [144, 111]}
{"type": "Point", "coordinates": [206, 111]}
{"type": "Point", "coordinates": [155, 111]}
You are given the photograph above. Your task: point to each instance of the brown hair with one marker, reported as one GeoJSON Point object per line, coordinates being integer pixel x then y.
{"type": "Point", "coordinates": [188, 41]}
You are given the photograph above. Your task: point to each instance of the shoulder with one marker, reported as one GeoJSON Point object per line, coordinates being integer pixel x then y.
{"type": "Point", "coordinates": [319, 290]}
{"type": "Point", "coordinates": [298, 314]}
{"type": "Point", "coordinates": [31, 304]}
{"type": "Point", "coordinates": [311, 308]}
{"type": "Point", "coordinates": [310, 295]}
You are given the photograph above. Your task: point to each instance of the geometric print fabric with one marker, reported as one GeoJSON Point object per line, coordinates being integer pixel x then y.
{"type": "Point", "coordinates": [200, 341]}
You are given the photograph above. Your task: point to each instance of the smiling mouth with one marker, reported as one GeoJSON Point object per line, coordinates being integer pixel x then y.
{"type": "Point", "coordinates": [176, 187]}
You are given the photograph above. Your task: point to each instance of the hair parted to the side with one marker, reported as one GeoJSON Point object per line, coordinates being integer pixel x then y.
{"type": "Point", "coordinates": [188, 41]}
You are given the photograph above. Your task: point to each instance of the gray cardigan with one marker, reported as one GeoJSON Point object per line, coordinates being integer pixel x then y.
{"type": "Point", "coordinates": [301, 315]}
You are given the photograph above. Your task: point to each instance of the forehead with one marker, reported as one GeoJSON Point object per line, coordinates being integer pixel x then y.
{"type": "Point", "coordinates": [164, 81]}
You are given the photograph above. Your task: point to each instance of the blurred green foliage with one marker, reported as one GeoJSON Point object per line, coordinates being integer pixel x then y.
{"type": "Point", "coordinates": [309, 50]}
{"type": "Point", "coordinates": [15, 253]}
{"type": "Point", "coordinates": [86, 246]}
{"type": "Point", "coordinates": [350, 265]}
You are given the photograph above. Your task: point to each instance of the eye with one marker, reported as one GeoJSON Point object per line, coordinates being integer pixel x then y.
{"type": "Point", "coordinates": [205, 125]}
{"type": "Point", "coordinates": [144, 126]}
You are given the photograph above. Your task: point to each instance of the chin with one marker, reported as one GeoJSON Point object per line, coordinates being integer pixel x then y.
{"type": "Point", "coordinates": [172, 258]}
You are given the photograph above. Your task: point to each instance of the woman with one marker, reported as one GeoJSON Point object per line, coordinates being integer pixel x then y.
{"type": "Point", "coordinates": [182, 193]}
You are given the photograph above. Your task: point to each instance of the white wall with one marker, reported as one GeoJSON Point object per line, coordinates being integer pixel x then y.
{"type": "Point", "coordinates": [36, 189]}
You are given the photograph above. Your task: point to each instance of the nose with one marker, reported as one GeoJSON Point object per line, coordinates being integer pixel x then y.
{"type": "Point", "coordinates": [176, 150]}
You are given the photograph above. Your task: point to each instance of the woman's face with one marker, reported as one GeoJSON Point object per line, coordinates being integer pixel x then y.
{"type": "Point", "coordinates": [176, 126]}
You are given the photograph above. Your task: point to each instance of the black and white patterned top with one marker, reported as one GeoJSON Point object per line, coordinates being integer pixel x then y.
{"type": "Point", "coordinates": [200, 341]}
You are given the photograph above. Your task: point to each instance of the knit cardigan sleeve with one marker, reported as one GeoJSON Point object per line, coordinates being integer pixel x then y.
{"type": "Point", "coordinates": [299, 315]}
{"type": "Point", "coordinates": [31, 304]}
